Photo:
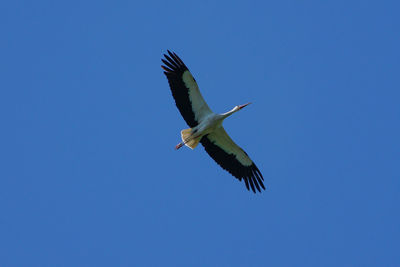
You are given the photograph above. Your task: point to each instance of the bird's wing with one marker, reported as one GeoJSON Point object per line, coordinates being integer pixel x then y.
{"type": "Point", "coordinates": [185, 90]}
{"type": "Point", "coordinates": [232, 158]}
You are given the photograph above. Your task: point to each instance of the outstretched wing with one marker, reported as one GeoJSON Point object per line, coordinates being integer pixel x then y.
{"type": "Point", "coordinates": [185, 91]}
{"type": "Point", "coordinates": [232, 158]}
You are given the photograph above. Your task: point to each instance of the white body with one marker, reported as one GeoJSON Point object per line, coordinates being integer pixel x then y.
{"type": "Point", "coordinates": [209, 123]}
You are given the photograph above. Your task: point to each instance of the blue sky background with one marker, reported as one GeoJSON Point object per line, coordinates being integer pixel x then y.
{"type": "Point", "coordinates": [89, 175]}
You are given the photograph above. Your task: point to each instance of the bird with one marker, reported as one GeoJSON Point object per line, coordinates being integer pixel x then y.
{"type": "Point", "coordinates": [206, 126]}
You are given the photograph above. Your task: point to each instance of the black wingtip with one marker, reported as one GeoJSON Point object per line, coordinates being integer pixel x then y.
{"type": "Point", "coordinates": [246, 182]}
{"type": "Point", "coordinates": [258, 178]}
{"type": "Point", "coordinates": [173, 62]}
{"type": "Point", "coordinates": [256, 184]}
{"type": "Point", "coordinates": [251, 184]}
{"type": "Point", "coordinates": [253, 181]}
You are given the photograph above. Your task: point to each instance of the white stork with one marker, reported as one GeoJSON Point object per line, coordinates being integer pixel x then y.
{"type": "Point", "coordinates": [206, 126]}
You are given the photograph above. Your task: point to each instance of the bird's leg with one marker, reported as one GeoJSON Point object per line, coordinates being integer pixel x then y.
{"type": "Point", "coordinates": [179, 146]}
{"type": "Point", "coordinates": [183, 142]}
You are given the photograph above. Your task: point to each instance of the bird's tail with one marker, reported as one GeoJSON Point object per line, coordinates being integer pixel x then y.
{"type": "Point", "coordinates": [187, 139]}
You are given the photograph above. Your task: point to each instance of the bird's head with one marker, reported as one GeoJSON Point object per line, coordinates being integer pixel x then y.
{"type": "Point", "coordinates": [237, 108]}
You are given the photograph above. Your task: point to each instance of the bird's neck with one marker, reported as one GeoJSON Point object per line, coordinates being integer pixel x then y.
{"type": "Point", "coordinates": [227, 114]}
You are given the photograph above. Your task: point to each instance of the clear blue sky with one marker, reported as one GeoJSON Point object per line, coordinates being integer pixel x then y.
{"type": "Point", "coordinates": [89, 176]}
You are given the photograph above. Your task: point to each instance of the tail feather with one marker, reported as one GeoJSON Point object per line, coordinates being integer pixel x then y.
{"type": "Point", "coordinates": [186, 135]}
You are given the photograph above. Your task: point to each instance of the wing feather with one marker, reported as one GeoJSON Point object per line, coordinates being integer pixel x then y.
{"type": "Point", "coordinates": [185, 90]}
{"type": "Point", "coordinates": [232, 158]}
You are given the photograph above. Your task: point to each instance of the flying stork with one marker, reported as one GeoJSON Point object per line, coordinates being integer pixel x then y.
{"type": "Point", "coordinates": [206, 126]}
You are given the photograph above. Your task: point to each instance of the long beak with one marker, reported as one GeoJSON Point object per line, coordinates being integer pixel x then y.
{"type": "Point", "coordinates": [242, 106]}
